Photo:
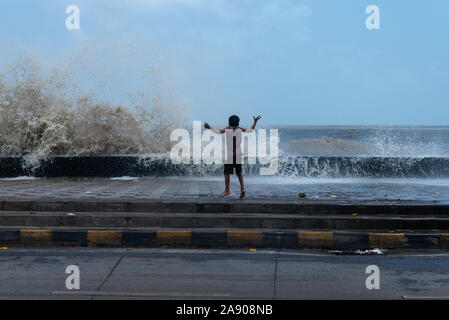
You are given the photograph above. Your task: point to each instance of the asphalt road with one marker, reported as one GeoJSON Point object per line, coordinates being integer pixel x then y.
{"type": "Point", "coordinates": [36, 273]}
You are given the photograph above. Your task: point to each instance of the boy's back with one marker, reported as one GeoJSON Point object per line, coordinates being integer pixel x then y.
{"type": "Point", "coordinates": [233, 141]}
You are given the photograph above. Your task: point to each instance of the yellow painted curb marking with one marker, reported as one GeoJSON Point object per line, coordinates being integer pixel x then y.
{"type": "Point", "coordinates": [174, 237]}
{"type": "Point", "coordinates": [104, 237]}
{"type": "Point", "coordinates": [316, 239]}
{"type": "Point", "coordinates": [36, 236]}
{"type": "Point", "coordinates": [244, 238]}
{"type": "Point", "coordinates": [444, 240]}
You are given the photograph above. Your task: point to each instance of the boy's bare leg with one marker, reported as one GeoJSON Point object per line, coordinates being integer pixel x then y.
{"type": "Point", "coordinates": [227, 192]}
{"type": "Point", "coordinates": [242, 186]}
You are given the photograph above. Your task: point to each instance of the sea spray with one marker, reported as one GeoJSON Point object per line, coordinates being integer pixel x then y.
{"type": "Point", "coordinates": [44, 113]}
{"type": "Point", "coordinates": [382, 143]}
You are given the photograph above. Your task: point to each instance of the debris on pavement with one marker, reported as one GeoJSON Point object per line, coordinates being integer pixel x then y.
{"type": "Point", "coordinates": [375, 251]}
{"type": "Point", "coordinates": [368, 252]}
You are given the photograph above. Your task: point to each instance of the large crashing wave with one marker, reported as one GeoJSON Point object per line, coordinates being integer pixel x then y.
{"type": "Point", "coordinates": [46, 113]}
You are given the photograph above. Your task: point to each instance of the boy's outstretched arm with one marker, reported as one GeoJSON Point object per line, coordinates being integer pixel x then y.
{"type": "Point", "coordinates": [254, 123]}
{"type": "Point", "coordinates": [207, 126]}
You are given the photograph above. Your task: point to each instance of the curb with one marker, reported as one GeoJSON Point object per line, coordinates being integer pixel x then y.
{"type": "Point", "coordinates": [331, 240]}
{"type": "Point", "coordinates": [143, 220]}
{"type": "Point", "coordinates": [287, 207]}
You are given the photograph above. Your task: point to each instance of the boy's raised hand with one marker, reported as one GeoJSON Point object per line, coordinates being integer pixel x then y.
{"type": "Point", "coordinates": [206, 125]}
{"type": "Point", "coordinates": [257, 118]}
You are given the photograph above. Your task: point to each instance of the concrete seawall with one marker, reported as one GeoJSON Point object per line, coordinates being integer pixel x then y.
{"type": "Point", "coordinates": [114, 166]}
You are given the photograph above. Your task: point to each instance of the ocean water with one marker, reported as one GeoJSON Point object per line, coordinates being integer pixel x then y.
{"type": "Point", "coordinates": [364, 151]}
{"type": "Point", "coordinates": [365, 141]}
{"type": "Point", "coordinates": [344, 152]}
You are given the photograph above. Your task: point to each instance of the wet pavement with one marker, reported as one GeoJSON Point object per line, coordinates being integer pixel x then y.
{"type": "Point", "coordinates": [257, 188]}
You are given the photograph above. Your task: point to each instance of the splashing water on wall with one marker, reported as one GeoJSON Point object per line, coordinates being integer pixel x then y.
{"type": "Point", "coordinates": [45, 111]}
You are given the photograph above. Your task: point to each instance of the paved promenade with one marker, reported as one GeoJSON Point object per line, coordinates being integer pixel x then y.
{"type": "Point", "coordinates": [333, 215]}
{"type": "Point", "coordinates": [182, 188]}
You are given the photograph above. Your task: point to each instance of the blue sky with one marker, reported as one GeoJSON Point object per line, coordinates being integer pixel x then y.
{"type": "Point", "coordinates": [295, 62]}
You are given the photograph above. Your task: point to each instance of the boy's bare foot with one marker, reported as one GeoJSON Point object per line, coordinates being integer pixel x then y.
{"type": "Point", "coordinates": [242, 194]}
{"type": "Point", "coordinates": [224, 194]}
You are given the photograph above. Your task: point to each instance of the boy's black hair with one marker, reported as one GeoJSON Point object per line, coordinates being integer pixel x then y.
{"type": "Point", "coordinates": [234, 121]}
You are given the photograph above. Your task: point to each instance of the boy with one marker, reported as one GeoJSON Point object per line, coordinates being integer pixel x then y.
{"type": "Point", "coordinates": [233, 140]}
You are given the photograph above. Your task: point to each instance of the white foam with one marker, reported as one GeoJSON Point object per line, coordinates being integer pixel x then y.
{"type": "Point", "coordinates": [20, 178]}
{"type": "Point", "coordinates": [125, 178]}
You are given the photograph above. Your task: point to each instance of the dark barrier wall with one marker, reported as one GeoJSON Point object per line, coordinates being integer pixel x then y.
{"type": "Point", "coordinates": [81, 167]}
{"type": "Point", "coordinates": [114, 166]}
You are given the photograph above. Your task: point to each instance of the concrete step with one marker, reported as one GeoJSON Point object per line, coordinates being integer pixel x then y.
{"type": "Point", "coordinates": [234, 206]}
{"type": "Point", "coordinates": [220, 220]}
{"type": "Point", "coordinates": [222, 238]}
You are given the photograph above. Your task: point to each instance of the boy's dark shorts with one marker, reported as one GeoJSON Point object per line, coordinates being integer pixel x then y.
{"type": "Point", "coordinates": [229, 169]}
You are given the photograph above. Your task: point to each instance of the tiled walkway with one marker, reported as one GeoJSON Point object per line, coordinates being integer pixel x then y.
{"type": "Point", "coordinates": [210, 188]}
